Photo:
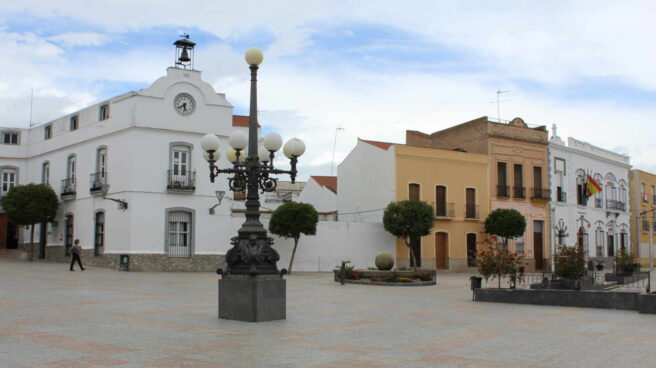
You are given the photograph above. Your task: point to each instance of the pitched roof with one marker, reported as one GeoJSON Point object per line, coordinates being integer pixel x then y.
{"type": "Point", "coordinates": [381, 145]}
{"type": "Point", "coordinates": [329, 182]}
{"type": "Point", "coordinates": [240, 120]}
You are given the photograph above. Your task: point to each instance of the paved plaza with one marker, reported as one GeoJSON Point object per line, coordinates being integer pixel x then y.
{"type": "Point", "coordinates": [50, 317]}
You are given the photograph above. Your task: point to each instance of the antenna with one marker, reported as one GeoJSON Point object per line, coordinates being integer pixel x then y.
{"type": "Point", "coordinates": [31, 105]}
{"type": "Point", "coordinates": [332, 163]}
{"type": "Point", "coordinates": [499, 92]}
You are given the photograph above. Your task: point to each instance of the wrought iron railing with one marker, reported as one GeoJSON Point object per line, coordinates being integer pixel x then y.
{"type": "Point", "coordinates": [443, 209]}
{"type": "Point", "coordinates": [97, 180]}
{"type": "Point", "coordinates": [612, 204]}
{"type": "Point", "coordinates": [471, 211]}
{"type": "Point", "coordinates": [540, 194]}
{"type": "Point", "coordinates": [561, 196]}
{"type": "Point", "coordinates": [503, 191]}
{"type": "Point", "coordinates": [181, 180]}
{"type": "Point", "coordinates": [68, 187]}
{"type": "Point", "coordinates": [519, 192]}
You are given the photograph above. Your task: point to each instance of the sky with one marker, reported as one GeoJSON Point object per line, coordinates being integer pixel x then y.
{"type": "Point", "coordinates": [373, 68]}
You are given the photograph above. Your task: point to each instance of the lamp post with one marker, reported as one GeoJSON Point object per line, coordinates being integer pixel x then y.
{"type": "Point", "coordinates": [251, 260]}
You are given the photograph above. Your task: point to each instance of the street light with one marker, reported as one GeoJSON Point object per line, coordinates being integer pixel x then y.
{"type": "Point", "coordinates": [251, 253]}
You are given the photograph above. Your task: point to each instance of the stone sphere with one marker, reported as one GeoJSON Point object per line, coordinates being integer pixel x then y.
{"type": "Point", "coordinates": [384, 261]}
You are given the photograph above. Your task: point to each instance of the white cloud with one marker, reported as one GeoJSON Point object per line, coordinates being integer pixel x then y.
{"type": "Point", "coordinates": [72, 39]}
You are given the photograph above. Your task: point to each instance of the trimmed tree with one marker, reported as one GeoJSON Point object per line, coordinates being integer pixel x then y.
{"type": "Point", "coordinates": [293, 219]}
{"type": "Point", "coordinates": [29, 205]}
{"type": "Point", "coordinates": [409, 220]}
{"type": "Point", "coordinates": [506, 223]}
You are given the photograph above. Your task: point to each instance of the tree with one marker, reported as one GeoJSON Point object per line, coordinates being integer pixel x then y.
{"type": "Point", "coordinates": [409, 220]}
{"type": "Point", "coordinates": [506, 223]}
{"type": "Point", "coordinates": [293, 219]}
{"type": "Point", "coordinates": [29, 205]}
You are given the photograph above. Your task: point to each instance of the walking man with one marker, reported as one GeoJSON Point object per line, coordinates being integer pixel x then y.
{"type": "Point", "coordinates": [76, 251]}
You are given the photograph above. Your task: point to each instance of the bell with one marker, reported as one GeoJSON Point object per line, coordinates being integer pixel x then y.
{"type": "Point", "coordinates": [184, 58]}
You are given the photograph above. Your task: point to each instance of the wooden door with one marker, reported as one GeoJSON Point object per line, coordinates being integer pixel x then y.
{"type": "Point", "coordinates": [471, 250]}
{"type": "Point", "coordinates": [538, 241]}
{"type": "Point", "coordinates": [68, 234]}
{"type": "Point", "coordinates": [441, 251]}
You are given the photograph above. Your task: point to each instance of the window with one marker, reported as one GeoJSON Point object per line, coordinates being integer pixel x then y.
{"type": "Point", "coordinates": [561, 238]}
{"type": "Point", "coordinates": [99, 178]}
{"type": "Point", "coordinates": [471, 210]}
{"type": "Point", "coordinates": [10, 137]}
{"type": "Point", "coordinates": [502, 184]}
{"type": "Point", "coordinates": [644, 192]}
{"type": "Point", "coordinates": [413, 192]}
{"type": "Point", "coordinates": [599, 241]}
{"type": "Point", "coordinates": [519, 181]}
{"type": "Point", "coordinates": [9, 179]}
{"type": "Point", "coordinates": [180, 175]}
{"type": "Point", "coordinates": [611, 244]}
{"type": "Point", "coordinates": [623, 240]}
{"type": "Point", "coordinates": [653, 194]}
{"type": "Point", "coordinates": [440, 201]}
{"type": "Point", "coordinates": [74, 122]}
{"type": "Point", "coordinates": [537, 183]}
{"type": "Point", "coordinates": [45, 173]}
{"type": "Point", "coordinates": [104, 112]}
{"type": "Point", "coordinates": [70, 167]}
{"type": "Point", "coordinates": [101, 160]}
{"type": "Point", "coordinates": [581, 198]}
{"type": "Point", "coordinates": [519, 244]}
{"type": "Point", "coordinates": [599, 196]}
{"type": "Point", "coordinates": [47, 132]}
{"type": "Point", "coordinates": [559, 166]}
{"type": "Point", "coordinates": [179, 229]}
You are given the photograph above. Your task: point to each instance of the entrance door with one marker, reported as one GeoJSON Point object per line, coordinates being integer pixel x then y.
{"type": "Point", "coordinates": [99, 239]}
{"type": "Point", "coordinates": [43, 234]}
{"type": "Point", "coordinates": [471, 250]}
{"type": "Point", "coordinates": [68, 234]}
{"type": "Point", "coordinates": [441, 251]}
{"type": "Point", "coordinates": [415, 244]}
{"type": "Point", "coordinates": [538, 240]}
{"type": "Point", "coordinates": [611, 245]}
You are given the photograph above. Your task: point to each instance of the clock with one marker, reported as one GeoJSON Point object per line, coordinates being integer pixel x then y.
{"type": "Point", "coordinates": [184, 104]}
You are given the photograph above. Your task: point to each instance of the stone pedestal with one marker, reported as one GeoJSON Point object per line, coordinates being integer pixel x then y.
{"type": "Point", "coordinates": [252, 299]}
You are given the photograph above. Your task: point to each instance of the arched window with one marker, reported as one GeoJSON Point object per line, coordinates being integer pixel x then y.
{"type": "Point", "coordinates": [179, 232]}
{"type": "Point", "coordinates": [581, 198]}
{"type": "Point", "coordinates": [599, 196]}
{"type": "Point", "coordinates": [45, 173]}
{"type": "Point", "coordinates": [414, 192]}
{"type": "Point", "coordinates": [440, 201]}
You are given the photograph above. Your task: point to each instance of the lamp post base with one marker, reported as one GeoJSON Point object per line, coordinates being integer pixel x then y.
{"type": "Point", "coordinates": [257, 298]}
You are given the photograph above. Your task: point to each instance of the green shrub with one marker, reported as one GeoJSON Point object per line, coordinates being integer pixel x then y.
{"type": "Point", "coordinates": [570, 263]}
{"type": "Point", "coordinates": [625, 262]}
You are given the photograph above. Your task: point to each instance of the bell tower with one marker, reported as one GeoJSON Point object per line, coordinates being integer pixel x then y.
{"type": "Point", "coordinates": [184, 52]}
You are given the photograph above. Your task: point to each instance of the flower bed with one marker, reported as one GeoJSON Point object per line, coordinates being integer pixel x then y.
{"type": "Point", "coordinates": [388, 278]}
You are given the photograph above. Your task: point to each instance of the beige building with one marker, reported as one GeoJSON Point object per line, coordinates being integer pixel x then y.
{"type": "Point", "coordinates": [517, 173]}
{"type": "Point", "coordinates": [643, 198]}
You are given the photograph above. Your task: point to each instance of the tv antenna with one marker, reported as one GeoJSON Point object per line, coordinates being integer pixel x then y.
{"type": "Point", "coordinates": [498, 101]}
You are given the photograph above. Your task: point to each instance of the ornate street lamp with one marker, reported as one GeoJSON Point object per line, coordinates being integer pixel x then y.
{"type": "Point", "coordinates": [251, 258]}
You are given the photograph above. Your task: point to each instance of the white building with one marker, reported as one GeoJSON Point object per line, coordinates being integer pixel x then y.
{"type": "Point", "coordinates": [321, 192]}
{"type": "Point", "coordinates": [600, 225]}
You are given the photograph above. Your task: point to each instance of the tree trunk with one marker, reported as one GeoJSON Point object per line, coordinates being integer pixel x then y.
{"type": "Point", "coordinates": [412, 254]}
{"type": "Point", "coordinates": [291, 261]}
{"type": "Point", "coordinates": [32, 243]}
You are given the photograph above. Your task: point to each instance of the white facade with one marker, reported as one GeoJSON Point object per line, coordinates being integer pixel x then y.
{"type": "Point", "coordinates": [603, 222]}
{"type": "Point", "coordinates": [363, 198]}
{"type": "Point", "coordinates": [150, 156]}
{"type": "Point", "coordinates": [322, 198]}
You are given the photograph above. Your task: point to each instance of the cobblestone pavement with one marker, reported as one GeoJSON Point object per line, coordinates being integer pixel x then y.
{"type": "Point", "coordinates": [50, 317]}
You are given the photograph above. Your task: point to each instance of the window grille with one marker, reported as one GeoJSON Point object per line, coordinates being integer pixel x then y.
{"type": "Point", "coordinates": [179, 234]}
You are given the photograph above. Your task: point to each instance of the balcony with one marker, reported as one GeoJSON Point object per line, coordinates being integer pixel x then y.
{"type": "Point", "coordinates": [446, 210]}
{"type": "Point", "coordinates": [68, 187]}
{"type": "Point", "coordinates": [519, 192]}
{"type": "Point", "coordinates": [181, 181]}
{"type": "Point", "coordinates": [540, 194]}
{"type": "Point", "coordinates": [503, 191]}
{"type": "Point", "coordinates": [471, 211]}
{"type": "Point", "coordinates": [561, 196]}
{"type": "Point", "coordinates": [96, 182]}
{"type": "Point", "coordinates": [614, 205]}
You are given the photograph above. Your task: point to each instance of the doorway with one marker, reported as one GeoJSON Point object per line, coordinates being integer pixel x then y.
{"type": "Point", "coordinates": [99, 239]}
{"type": "Point", "coordinates": [538, 242]}
{"type": "Point", "coordinates": [68, 234]}
{"type": "Point", "coordinates": [471, 250]}
{"type": "Point", "coordinates": [442, 251]}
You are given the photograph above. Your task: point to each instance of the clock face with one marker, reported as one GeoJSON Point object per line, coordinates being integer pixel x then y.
{"type": "Point", "coordinates": [184, 104]}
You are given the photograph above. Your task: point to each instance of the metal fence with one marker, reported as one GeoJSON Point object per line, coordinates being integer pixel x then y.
{"type": "Point", "coordinates": [636, 282]}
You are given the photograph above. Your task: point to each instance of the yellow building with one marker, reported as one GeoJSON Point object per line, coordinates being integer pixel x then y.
{"type": "Point", "coordinates": [643, 198]}
{"type": "Point", "coordinates": [455, 184]}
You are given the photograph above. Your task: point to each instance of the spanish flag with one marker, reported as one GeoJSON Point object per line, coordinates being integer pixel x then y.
{"type": "Point", "coordinates": [591, 186]}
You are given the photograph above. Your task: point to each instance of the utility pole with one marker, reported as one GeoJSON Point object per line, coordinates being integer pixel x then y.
{"type": "Point", "coordinates": [332, 163]}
